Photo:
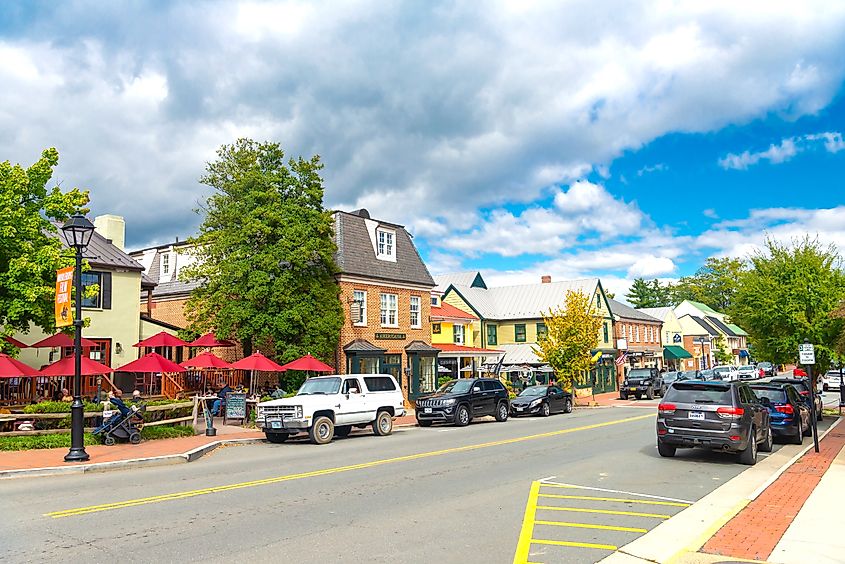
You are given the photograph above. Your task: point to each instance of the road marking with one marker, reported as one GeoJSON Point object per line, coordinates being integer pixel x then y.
{"type": "Point", "coordinates": [576, 544]}
{"type": "Point", "coordinates": [604, 511]}
{"type": "Point", "coordinates": [616, 499]}
{"type": "Point", "coordinates": [591, 526]}
{"type": "Point", "coordinates": [527, 531]}
{"type": "Point", "coordinates": [328, 471]}
{"type": "Point", "coordinates": [547, 483]}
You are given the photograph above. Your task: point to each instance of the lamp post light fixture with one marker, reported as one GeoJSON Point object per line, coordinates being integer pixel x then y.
{"type": "Point", "coordinates": [77, 232]}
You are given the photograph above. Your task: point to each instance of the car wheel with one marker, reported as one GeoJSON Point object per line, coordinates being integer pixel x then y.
{"type": "Point", "coordinates": [769, 442]}
{"type": "Point", "coordinates": [799, 433]}
{"type": "Point", "coordinates": [383, 425]}
{"type": "Point", "coordinates": [825, 388]}
{"type": "Point", "coordinates": [749, 455]}
{"type": "Point", "coordinates": [276, 438]}
{"type": "Point", "coordinates": [342, 430]}
{"type": "Point", "coordinates": [649, 394]}
{"type": "Point", "coordinates": [321, 431]}
{"type": "Point", "coordinates": [422, 423]}
{"type": "Point", "coordinates": [502, 411]}
{"type": "Point", "coordinates": [665, 451]}
{"type": "Point", "coordinates": [623, 395]}
{"type": "Point", "coordinates": [462, 416]}
{"type": "Point", "coordinates": [808, 430]}
{"type": "Point", "coordinates": [820, 415]}
{"type": "Point", "coordinates": [567, 405]}
{"type": "Point", "coordinates": [638, 396]}
{"type": "Point", "coordinates": [109, 440]}
{"type": "Point", "coordinates": [544, 410]}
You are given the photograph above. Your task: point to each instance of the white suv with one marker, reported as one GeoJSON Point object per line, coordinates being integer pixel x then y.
{"type": "Point", "coordinates": [329, 406]}
{"type": "Point", "coordinates": [728, 373]}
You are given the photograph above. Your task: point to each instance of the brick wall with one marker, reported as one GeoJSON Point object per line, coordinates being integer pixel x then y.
{"type": "Point", "coordinates": [170, 311]}
{"type": "Point", "coordinates": [691, 347]}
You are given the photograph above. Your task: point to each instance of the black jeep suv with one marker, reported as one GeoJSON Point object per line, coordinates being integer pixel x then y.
{"type": "Point", "coordinates": [458, 401]}
{"type": "Point", "coordinates": [642, 382]}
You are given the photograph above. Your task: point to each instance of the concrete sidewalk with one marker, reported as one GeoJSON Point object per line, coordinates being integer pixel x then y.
{"type": "Point", "coordinates": [45, 462]}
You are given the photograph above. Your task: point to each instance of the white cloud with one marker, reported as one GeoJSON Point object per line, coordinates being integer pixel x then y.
{"type": "Point", "coordinates": [784, 151]}
{"type": "Point", "coordinates": [650, 266]}
{"type": "Point", "coordinates": [711, 213]}
{"type": "Point", "coordinates": [659, 167]}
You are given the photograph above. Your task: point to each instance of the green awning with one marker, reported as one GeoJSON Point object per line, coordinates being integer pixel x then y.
{"type": "Point", "coordinates": [674, 352]}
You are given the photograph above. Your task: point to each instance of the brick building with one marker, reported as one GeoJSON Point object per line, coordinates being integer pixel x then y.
{"type": "Point", "coordinates": [385, 289]}
{"type": "Point", "coordinates": [638, 334]}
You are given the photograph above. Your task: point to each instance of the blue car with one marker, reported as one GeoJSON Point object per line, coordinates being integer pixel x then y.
{"type": "Point", "coordinates": [788, 411]}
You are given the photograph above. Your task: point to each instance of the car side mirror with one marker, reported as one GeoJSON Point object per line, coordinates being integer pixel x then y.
{"type": "Point", "coordinates": [476, 389]}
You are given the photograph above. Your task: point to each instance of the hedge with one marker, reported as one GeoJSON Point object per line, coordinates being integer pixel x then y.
{"type": "Point", "coordinates": [58, 440]}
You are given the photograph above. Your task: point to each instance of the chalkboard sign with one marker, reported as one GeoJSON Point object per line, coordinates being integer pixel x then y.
{"type": "Point", "coordinates": [235, 405]}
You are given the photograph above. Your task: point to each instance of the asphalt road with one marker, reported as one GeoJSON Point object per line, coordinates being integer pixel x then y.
{"type": "Point", "coordinates": [420, 495]}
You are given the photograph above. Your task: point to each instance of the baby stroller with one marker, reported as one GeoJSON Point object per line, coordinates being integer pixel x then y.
{"type": "Point", "coordinates": [125, 424]}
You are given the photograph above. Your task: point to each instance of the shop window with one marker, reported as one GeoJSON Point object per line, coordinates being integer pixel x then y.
{"type": "Point", "coordinates": [492, 335]}
{"type": "Point", "coordinates": [415, 312]}
{"type": "Point", "coordinates": [428, 373]}
{"type": "Point", "coordinates": [92, 279]}
{"type": "Point", "coordinates": [519, 333]}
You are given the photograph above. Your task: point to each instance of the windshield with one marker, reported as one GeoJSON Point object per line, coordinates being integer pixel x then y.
{"type": "Point", "coordinates": [639, 373]}
{"type": "Point", "coordinates": [688, 392]}
{"type": "Point", "coordinates": [455, 387]}
{"type": "Point", "coordinates": [775, 395]}
{"type": "Point", "coordinates": [707, 373]}
{"type": "Point", "coordinates": [533, 391]}
{"type": "Point", "coordinates": [314, 386]}
{"type": "Point", "coordinates": [746, 369]}
{"type": "Point", "coordinates": [671, 376]}
{"type": "Point", "coordinates": [765, 365]}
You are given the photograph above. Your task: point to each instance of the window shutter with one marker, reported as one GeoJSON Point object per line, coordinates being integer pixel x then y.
{"type": "Point", "coordinates": [105, 290]}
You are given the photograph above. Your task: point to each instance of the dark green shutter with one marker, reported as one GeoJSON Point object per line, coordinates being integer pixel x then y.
{"type": "Point", "coordinates": [105, 289]}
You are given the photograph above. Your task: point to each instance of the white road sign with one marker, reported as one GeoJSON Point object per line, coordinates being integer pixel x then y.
{"type": "Point", "coordinates": [806, 354]}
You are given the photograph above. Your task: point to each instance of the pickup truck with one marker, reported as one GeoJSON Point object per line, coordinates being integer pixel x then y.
{"type": "Point", "coordinates": [642, 382]}
{"type": "Point", "coordinates": [330, 406]}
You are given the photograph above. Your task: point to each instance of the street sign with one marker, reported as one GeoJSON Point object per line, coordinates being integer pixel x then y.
{"type": "Point", "coordinates": [806, 354]}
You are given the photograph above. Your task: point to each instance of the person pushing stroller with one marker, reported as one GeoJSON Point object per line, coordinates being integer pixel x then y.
{"type": "Point", "coordinates": [124, 424]}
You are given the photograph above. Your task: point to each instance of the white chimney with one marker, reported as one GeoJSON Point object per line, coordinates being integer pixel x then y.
{"type": "Point", "coordinates": [112, 227]}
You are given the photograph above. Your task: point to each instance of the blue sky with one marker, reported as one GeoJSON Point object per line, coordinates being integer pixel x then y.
{"type": "Point", "coordinates": [566, 138]}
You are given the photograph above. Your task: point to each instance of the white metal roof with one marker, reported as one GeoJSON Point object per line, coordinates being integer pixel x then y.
{"type": "Point", "coordinates": [519, 353]}
{"type": "Point", "coordinates": [525, 301]}
{"type": "Point", "coordinates": [660, 313]}
{"type": "Point", "coordinates": [456, 278]}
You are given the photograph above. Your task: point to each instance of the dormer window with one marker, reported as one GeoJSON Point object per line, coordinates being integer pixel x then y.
{"type": "Point", "coordinates": [386, 246]}
{"type": "Point", "coordinates": [165, 264]}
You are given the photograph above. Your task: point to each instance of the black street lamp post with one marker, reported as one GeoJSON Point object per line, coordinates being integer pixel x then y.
{"type": "Point", "coordinates": [77, 232]}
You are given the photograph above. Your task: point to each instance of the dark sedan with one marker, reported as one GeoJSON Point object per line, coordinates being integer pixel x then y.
{"type": "Point", "coordinates": [790, 415]}
{"type": "Point", "coordinates": [542, 400]}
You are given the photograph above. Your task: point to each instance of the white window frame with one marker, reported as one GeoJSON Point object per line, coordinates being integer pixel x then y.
{"type": "Point", "coordinates": [165, 264]}
{"type": "Point", "coordinates": [458, 340]}
{"type": "Point", "coordinates": [389, 311]}
{"type": "Point", "coordinates": [415, 300]}
{"type": "Point", "coordinates": [385, 244]}
{"type": "Point", "coordinates": [362, 323]}
{"type": "Point", "coordinates": [621, 330]}
{"type": "Point", "coordinates": [636, 333]}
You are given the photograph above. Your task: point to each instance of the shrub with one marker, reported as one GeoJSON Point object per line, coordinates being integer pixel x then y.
{"type": "Point", "coordinates": [58, 407]}
{"type": "Point", "coordinates": [30, 442]}
{"type": "Point", "coordinates": [443, 379]}
{"type": "Point", "coordinates": [166, 432]}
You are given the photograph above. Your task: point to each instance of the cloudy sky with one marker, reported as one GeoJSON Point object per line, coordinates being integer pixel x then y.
{"type": "Point", "coordinates": [572, 138]}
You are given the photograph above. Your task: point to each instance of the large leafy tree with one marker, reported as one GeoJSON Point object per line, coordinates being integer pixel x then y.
{"type": "Point", "coordinates": [30, 248]}
{"type": "Point", "coordinates": [645, 293]}
{"type": "Point", "coordinates": [714, 284]}
{"type": "Point", "coordinates": [572, 333]}
{"type": "Point", "coordinates": [790, 293]}
{"type": "Point", "coordinates": [265, 254]}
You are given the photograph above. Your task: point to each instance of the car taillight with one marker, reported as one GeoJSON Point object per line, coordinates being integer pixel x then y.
{"type": "Point", "coordinates": [667, 408]}
{"type": "Point", "coordinates": [785, 409]}
{"type": "Point", "coordinates": [730, 412]}
{"type": "Point", "coordinates": [735, 437]}
{"type": "Point", "coordinates": [805, 393]}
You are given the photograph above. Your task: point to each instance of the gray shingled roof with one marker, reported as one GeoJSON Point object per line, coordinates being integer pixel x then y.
{"type": "Point", "coordinates": [356, 256]}
{"type": "Point", "coordinates": [525, 301]}
{"type": "Point", "coordinates": [717, 323]}
{"type": "Point", "coordinates": [706, 326]}
{"type": "Point", "coordinates": [101, 252]}
{"type": "Point", "coordinates": [362, 345]}
{"type": "Point", "coordinates": [627, 312]}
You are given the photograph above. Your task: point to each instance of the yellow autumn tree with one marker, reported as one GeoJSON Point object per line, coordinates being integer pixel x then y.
{"type": "Point", "coordinates": [572, 333]}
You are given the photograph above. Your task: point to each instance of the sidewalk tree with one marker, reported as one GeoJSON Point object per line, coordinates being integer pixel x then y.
{"type": "Point", "coordinates": [265, 254]}
{"type": "Point", "coordinates": [643, 293]}
{"type": "Point", "coordinates": [714, 284]}
{"type": "Point", "coordinates": [572, 334]}
{"type": "Point", "coordinates": [722, 354]}
{"type": "Point", "coordinates": [30, 245]}
{"type": "Point", "coordinates": [791, 293]}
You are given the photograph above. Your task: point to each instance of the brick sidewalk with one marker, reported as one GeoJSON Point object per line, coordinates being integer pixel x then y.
{"type": "Point", "coordinates": [755, 531]}
{"type": "Point", "coordinates": [46, 458]}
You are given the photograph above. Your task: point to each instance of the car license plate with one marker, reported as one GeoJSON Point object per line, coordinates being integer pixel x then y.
{"type": "Point", "coordinates": [275, 424]}
{"type": "Point", "coordinates": [696, 415]}
{"type": "Point", "coordinates": [633, 388]}
{"type": "Point", "coordinates": [427, 410]}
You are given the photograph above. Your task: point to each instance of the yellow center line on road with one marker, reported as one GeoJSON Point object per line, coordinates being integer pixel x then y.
{"type": "Point", "coordinates": [603, 511]}
{"type": "Point", "coordinates": [591, 526]}
{"type": "Point", "coordinates": [328, 471]}
{"type": "Point", "coordinates": [616, 499]}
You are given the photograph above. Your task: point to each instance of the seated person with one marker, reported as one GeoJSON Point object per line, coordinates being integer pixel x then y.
{"type": "Point", "coordinates": [116, 399]}
{"type": "Point", "coordinates": [221, 397]}
{"type": "Point", "coordinates": [66, 395]}
{"type": "Point", "coordinates": [136, 396]}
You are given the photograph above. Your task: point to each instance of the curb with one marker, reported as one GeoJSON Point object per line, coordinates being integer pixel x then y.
{"type": "Point", "coordinates": [150, 461]}
{"type": "Point", "coordinates": [679, 536]}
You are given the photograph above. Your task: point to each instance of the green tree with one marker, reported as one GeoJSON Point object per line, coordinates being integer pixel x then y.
{"type": "Point", "coordinates": [30, 248]}
{"type": "Point", "coordinates": [643, 293]}
{"type": "Point", "coordinates": [714, 284]}
{"type": "Point", "coordinates": [722, 354]}
{"type": "Point", "coordinates": [790, 293]}
{"type": "Point", "coordinates": [265, 255]}
{"type": "Point", "coordinates": [572, 333]}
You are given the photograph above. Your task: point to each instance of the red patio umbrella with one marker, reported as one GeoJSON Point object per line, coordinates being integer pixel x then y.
{"type": "Point", "coordinates": [205, 360]}
{"type": "Point", "coordinates": [65, 367]}
{"type": "Point", "coordinates": [162, 339]}
{"type": "Point", "coordinates": [60, 340]}
{"type": "Point", "coordinates": [256, 361]}
{"type": "Point", "coordinates": [15, 342]}
{"type": "Point", "coordinates": [13, 368]}
{"type": "Point", "coordinates": [209, 340]}
{"type": "Point", "coordinates": [308, 363]}
{"type": "Point", "coordinates": [152, 362]}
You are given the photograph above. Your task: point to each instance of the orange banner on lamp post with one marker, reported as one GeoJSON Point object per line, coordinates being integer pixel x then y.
{"type": "Point", "coordinates": [64, 281]}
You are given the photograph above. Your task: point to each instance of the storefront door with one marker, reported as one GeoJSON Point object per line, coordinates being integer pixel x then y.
{"type": "Point", "coordinates": [423, 374]}
{"type": "Point", "coordinates": [393, 365]}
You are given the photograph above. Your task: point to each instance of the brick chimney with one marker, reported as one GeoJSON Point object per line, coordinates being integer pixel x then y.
{"type": "Point", "coordinates": [546, 279]}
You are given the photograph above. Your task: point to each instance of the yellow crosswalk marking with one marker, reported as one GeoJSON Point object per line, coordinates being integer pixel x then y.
{"type": "Point", "coordinates": [616, 499]}
{"type": "Point", "coordinates": [591, 526]}
{"type": "Point", "coordinates": [604, 511]}
{"type": "Point", "coordinates": [575, 544]}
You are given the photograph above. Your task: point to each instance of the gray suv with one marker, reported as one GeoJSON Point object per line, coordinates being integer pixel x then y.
{"type": "Point", "coordinates": [723, 416]}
